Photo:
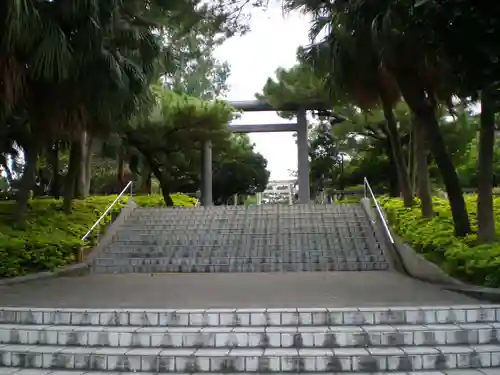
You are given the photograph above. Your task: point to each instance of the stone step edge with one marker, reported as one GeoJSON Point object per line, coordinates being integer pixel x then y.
{"type": "Point", "coordinates": [146, 247]}
{"type": "Point", "coordinates": [251, 317]}
{"type": "Point", "coordinates": [252, 360]}
{"type": "Point", "coordinates": [31, 371]}
{"type": "Point", "coordinates": [196, 256]}
{"type": "Point", "coordinates": [179, 260]}
{"type": "Point", "coordinates": [242, 337]}
{"type": "Point", "coordinates": [346, 309]}
{"type": "Point", "coordinates": [254, 351]}
{"type": "Point", "coordinates": [313, 329]}
{"type": "Point", "coordinates": [190, 260]}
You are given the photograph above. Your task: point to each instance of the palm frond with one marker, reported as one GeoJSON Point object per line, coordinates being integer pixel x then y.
{"type": "Point", "coordinates": [53, 56]}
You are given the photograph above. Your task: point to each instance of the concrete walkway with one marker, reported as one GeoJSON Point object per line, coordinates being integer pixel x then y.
{"type": "Point", "coordinates": [238, 290]}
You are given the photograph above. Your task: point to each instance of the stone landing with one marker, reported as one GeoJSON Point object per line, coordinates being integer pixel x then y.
{"type": "Point", "coordinates": [229, 290]}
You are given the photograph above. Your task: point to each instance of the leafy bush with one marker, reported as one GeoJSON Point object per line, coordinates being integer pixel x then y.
{"type": "Point", "coordinates": [156, 200]}
{"type": "Point", "coordinates": [434, 238]}
{"type": "Point", "coordinates": [52, 239]}
{"type": "Point", "coordinates": [350, 199]}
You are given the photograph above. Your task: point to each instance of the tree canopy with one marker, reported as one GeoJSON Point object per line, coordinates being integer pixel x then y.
{"type": "Point", "coordinates": [85, 82]}
{"type": "Point", "coordinates": [403, 77]}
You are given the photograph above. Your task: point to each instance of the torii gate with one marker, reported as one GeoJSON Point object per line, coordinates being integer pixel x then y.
{"type": "Point", "coordinates": [300, 127]}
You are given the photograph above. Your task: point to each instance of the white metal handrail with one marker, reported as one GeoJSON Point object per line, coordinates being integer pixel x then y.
{"type": "Point", "coordinates": [368, 189]}
{"type": "Point", "coordinates": [127, 187]}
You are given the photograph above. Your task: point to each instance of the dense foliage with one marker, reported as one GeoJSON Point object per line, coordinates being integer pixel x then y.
{"type": "Point", "coordinates": [419, 108]}
{"type": "Point", "coordinates": [54, 238]}
{"type": "Point", "coordinates": [433, 237]}
{"type": "Point", "coordinates": [96, 81]}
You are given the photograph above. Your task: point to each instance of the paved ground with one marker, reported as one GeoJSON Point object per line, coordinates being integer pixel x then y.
{"type": "Point", "coordinates": [242, 290]}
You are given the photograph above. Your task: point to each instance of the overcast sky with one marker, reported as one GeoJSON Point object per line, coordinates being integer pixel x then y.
{"type": "Point", "coordinates": [271, 43]}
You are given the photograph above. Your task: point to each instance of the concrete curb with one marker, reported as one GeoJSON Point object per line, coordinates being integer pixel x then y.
{"type": "Point", "coordinates": [71, 270]}
{"type": "Point", "coordinates": [79, 269]}
{"type": "Point", "coordinates": [106, 240]}
{"type": "Point", "coordinates": [392, 256]}
{"type": "Point", "coordinates": [417, 267]}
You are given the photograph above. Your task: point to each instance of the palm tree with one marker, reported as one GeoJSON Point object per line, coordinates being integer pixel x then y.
{"type": "Point", "coordinates": [381, 35]}
{"type": "Point", "coordinates": [346, 57]}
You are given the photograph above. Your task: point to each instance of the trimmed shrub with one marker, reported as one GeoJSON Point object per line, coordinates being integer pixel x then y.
{"type": "Point", "coordinates": [434, 238]}
{"type": "Point", "coordinates": [156, 200]}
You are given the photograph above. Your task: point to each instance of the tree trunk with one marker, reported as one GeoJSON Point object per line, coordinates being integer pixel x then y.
{"type": "Point", "coordinates": [145, 181]}
{"type": "Point", "coordinates": [164, 187]}
{"type": "Point", "coordinates": [133, 165]}
{"type": "Point", "coordinates": [449, 174]}
{"type": "Point", "coordinates": [88, 166]}
{"type": "Point", "coordinates": [162, 178]}
{"type": "Point", "coordinates": [412, 159]}
{"type": "Point", "coordinates": [424, 111]}
{"type": "Point", "coordinates": [81, 180]}
{"type": "Point", "coordinates": [120, 170]}
{"type": "Point", "coordinates": [27, 183]}
{"type": "Point", "coordinates": [75, 158]}
{"type": "Point", "coordinates": [393, 175]}
{"type": "Point", "coordinates": [397, 150]}
{"type": "Point", "coordinates": [56, 181]}
{"type": "Point", "coordinates": [149, 184]}
{"type": "Point", "coordinates": [422, 171]}
{"type": "Point", "coordinates": [485, 216]}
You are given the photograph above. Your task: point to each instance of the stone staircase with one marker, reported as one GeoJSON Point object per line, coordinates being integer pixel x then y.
{"type": "Point", "coordinates": [267, 238]}
{"type": "Point", "coordinates": [437, 340]}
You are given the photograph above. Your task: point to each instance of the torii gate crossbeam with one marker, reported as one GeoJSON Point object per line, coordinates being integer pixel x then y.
{"type": "Point", "coordinates": [302, 142]}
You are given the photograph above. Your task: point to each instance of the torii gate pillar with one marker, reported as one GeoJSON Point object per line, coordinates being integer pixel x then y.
{"type": "Point", "coordinates": [206, 174]}
{"type": "Point", "coordinates": [303, 157]}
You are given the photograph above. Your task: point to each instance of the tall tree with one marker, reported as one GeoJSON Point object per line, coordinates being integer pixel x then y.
{"type": "Point", "coordinates": [474, 70]}
{"type": "Point", "coordinates": [169, 137]}
{"type": "Point", "coordinates": [385, 39]}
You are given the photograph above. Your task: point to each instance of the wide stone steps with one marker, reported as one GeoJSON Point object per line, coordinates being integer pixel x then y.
{"type": "Point", "coordinates": [340, 221]}
{"type": "Point", "coordinates": [264, 341]}
{"type": "Point", "coordinates": [245, 239]}
{"type": "Point", "coordinates": [354, 229]}
{"type": "Point", "coordinates": [308, 251]}
{"type": "Point", "coordinates": [224, 266]}
{"type": "Point", "coordinates": [305, 208]}
{"type": "Point", "coordinates": [242, 239]}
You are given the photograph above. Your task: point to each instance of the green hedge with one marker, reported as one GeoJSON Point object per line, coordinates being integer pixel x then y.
{"type": "Point", "coordinates": [433, 237]}
{"type": "Point", "coordinates": [349, 200]}
{"type": "Point", "coordinates": [180, 200]}
{"type": "Point", "coordinates": [51, 239]}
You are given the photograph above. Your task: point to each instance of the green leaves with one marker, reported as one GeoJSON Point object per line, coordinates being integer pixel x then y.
{"type": "Point", "coordinates": [51, 238]}
{"type": "Point", "coordinates": [238, 169]}
{"type": "Point", "coordinates": [170, 136]}
{"type": "Point", "coordinates": [434, 239]}
{"type": "Point", "coordinates": [298, 84]}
